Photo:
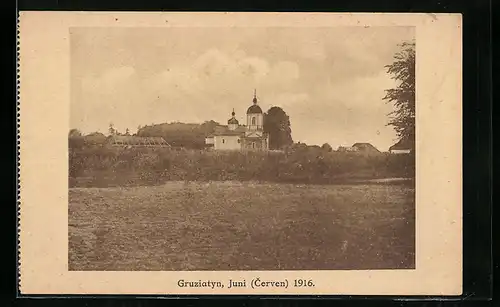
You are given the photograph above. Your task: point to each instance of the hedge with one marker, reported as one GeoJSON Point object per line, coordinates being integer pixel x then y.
{"type": "Point", "coordinates": [105, 166]}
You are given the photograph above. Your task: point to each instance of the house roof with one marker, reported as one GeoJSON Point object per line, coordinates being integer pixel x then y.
{"type": "Point", "coordinates": [401, 145]}
{"type": "Point", "coordinates": [224, 130]}
{"type": "Point", "coordinates": [365, 146]}
{"type": "Point", "coordinates": [95, 138]}
{"type": "Point", "coordinates": [228, 133]}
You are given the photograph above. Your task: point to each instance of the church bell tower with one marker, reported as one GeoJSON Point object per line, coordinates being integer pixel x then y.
{"type": "Point", "coordinates": [255, 117]}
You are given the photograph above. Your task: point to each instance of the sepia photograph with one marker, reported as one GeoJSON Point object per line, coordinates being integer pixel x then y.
{"type": "Point", "coordinates": [232, 153]}
{"type": "Point", "coordinates": [241, 148]}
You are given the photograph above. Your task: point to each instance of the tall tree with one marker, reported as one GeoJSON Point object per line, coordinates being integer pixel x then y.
{"type": "Point", "coordinates": [327, 147]}
{"type": "Point", "coordinates": [111, 129]}
{"type": "Point", "coordinates": [403, 96]}
{"type": "Point", "coordinates": [75, 139]}
{"type": "Point", "coordinates": [277, 126]}
{"type": "Point", "coordinates": [208, 126]}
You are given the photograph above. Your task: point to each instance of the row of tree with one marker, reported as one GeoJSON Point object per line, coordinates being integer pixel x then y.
{"type": "Point", "coordinates": [105, 166]}
{"type": "Point", "coordinates": [192, 136]}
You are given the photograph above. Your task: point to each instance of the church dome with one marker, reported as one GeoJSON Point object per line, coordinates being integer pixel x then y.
{"type": "Point", "coordinates": [233, 121]}
{"type": "Point", "coordinates": [255, 109]}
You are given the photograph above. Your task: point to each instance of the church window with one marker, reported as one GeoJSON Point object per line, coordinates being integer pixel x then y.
{"type": "Point", "coordinates": [253, 120]}
{"type": "Point", "coordinates": [253, 145]}
{"type": "Point", "coordinates": [223, 141]}
{"type": "Point", "coordinates": [239, 141]}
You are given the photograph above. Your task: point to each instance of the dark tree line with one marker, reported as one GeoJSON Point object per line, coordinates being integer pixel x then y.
{"type": "Point", "coordinates": [192, 136]}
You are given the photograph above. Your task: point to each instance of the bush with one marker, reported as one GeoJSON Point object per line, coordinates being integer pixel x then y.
{"type": "Point", "coordinates": [158, 165]}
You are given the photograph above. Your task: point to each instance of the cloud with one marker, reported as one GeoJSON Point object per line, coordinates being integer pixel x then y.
{"type": "Point", "coordinates": [215, 68]}
{"type": "Point", "coordinates": [330, 81]}
{"type": "Point", "coordinates": [224, 78]}
{"type": "Point", "coordinates": [283, 73]}
{"type": "Point", "coordinates": [341, 112]}
{"type": "Point", "coordinates": [358, 92]}
{"type": "Point", "coordinates": [106, 98]}
{"type": "Point", "coordinates": [214, 81]}
{"type": "Point", "coordinates": [217, 81]}
{"type": "Point", "coordinates": [108, 80]}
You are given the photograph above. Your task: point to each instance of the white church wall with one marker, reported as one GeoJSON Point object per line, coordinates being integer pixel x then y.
{"type": "Point", "coordinates": [227, 142]}
{"type": "Point", "coordinates": [258, 121]}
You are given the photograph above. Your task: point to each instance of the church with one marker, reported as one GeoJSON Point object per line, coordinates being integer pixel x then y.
{"type": "Point", "coordinates": [241, 137]}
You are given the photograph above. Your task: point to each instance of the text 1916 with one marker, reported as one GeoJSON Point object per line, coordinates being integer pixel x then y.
{"type": "Point", "coordinates": [303, 283]}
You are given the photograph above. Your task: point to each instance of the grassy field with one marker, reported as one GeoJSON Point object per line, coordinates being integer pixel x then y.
{"type": "Point", "coordinates": [242, 226]}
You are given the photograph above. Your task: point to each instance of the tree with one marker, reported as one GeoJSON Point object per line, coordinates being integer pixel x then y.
{"type": "Point", "coordinates": [181, 134]}
{"type": "Point", "coordinates": [208, 127]}
{"type": "Point", "coordinates": [74, 133]}
{"type": "Point", "coordinates": [111, 129]}
{"type": "Point", "coordinates": [75, 139]}
{"type": "Point", "coordinates": [127, 132]}
{"type": "Point", "coordinates": [403, 96]}
{"type": "Point", "coordinates": [277, 126]}
{"type": "Point", "coordinates": [327, 147]}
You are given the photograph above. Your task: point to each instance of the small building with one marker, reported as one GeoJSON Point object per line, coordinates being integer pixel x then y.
{"type": "Point", "coordinates": [401, 147]}
{"type": "Point", "coordinates": [136, 141]}
{"type": "Point", "coordinates": [95, 139]}
{"type": "Point", "coordinates": [226, 137]}
{"type": "Point", "coordinates": [365, 148]}
{"type": "Point", "coordinates": [359, 148]}
{"type": "Point", "coordinates": [241, 137]}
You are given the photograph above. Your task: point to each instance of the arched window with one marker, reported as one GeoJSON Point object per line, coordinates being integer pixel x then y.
{"type": "Point", "coordinates": [223, 141]}
{"type": "Point", "coordinates": [239, 141]}
{"type": "Point", "coordinates": [253, 120]}
{"type": "Point", "coordinates": [253, 145]}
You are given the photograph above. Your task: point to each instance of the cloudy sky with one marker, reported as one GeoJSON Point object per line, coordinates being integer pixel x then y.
{"type": "Point", "coordinates": [330, 81]}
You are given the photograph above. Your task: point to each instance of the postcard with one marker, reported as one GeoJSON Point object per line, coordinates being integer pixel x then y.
{"type": "Point", "coordinates": [172, 153]}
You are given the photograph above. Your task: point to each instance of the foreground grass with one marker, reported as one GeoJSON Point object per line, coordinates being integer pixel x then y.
{"type": "Point", "coordinates": [242, 226]}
